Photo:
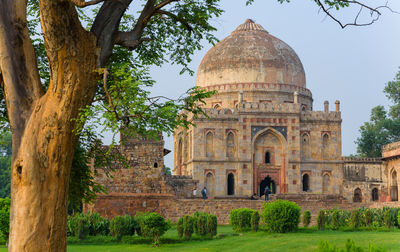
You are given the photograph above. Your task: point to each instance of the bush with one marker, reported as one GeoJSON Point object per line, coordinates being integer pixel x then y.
{"type": "Point", "coordinates": [122, 225]}
{"type": "Point", "coordinates": [350, 246]}
{"type": "Point", "coordinates": [98, 225]}
{"type": "Point", "coordinates": [255, 220]}
{"type": "Point", "coordinates": [78, 225]}
{"type": "Point", "coordinates": [335, 220]}
{"type": "Point", "coordinates": [387, 216]}
{"type": "Point", "coordinates": [212, 224]}
{"type": "Point", "coordinates": [306, 218]}
{"type": "Point", "coordinates": [200, 223]}
{"type": "Point", "coordinates": [240, 219]}
{"type": "Point", "coordinates": [281, 216]}
{"type": "Point", "coordinates": [5, 217]}
{"type": "Point", "coordinates": [154, 226]}
{"type": "Point", "coordinates": [138, 219]}
{"type": "Point", "coordinates": [355, 219]}
{"type": "Point", "coordinates": [179, 227]}
{"type": "Point", "coordinates": [321, 220]}
{"type": "Point", "coordinates": [188, 222]}
{"type": "Point", "coordinates": [368, 217]}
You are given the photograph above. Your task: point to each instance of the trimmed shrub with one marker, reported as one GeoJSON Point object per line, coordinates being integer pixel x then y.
{"type": "Point", "coordinates": [281, 216]}
{"type": "Point", "coordinates": [179, 227]}
{"type": "Point", "coordinates": [187, 226]}
{"type": "Point", "coordinates": [240, 219]}
{"type": "Point", "coordinates": [138, 219]}
{"type": "Point", "coordinates": [5, 217]}
{"type": "Point", "coordinates": [154, 226]}
{"type": "Point", "coordinates": [321, 220]}
{"type": "Point", "coordinates": [98, 225]}
{"type": "Point", "coordinates": [122, 225]}
{"type": "Point", "coordinates": [201, 224]}
{"type": "Point", "coordinates": [335, 220]}
{"type": "Point", "coordinates": [212, 224]}
{"type": "Point", "coordinates": [306, 218]}
{"type": "Point", "coordinates": [255, 220]}
{"type": "Point", "coordinates": [78, 226]}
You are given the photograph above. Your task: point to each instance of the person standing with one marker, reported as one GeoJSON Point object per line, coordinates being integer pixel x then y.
{"type": "Point", "coordinates": [194, 192]}
{"type": "Point", "coordinates": [204, 193]}
{"type": "Point", "coordinates": [267, 191]}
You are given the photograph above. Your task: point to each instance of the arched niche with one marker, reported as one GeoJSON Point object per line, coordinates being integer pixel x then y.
{"type": "Point", "coordinates": [230, 184]}
{"type": "Point", "coordinates": [230, 145]}
{"type": "Point", "coordinates": [209, 183]}
{"type": "Point", "coordinates": [209, 144]}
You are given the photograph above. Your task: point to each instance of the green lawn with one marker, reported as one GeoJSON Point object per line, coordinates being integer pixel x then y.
{"type": "Point", "coordinates": [303, 240]}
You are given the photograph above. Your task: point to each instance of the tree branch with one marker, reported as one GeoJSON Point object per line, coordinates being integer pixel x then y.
{"type": "Point", "coordinates": [176, 18]}
{"type": "Point", "coordinates": [166, 2]}
{"type": "Point", "coordinates": [82, 3]}
{"type": "Point", "coordinates": [373, 11]}
{"type": "Point", "coordinates": [20, 74]}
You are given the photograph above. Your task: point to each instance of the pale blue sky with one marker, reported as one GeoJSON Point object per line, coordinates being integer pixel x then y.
{"type": "Point", "coordinates": [350, 65]}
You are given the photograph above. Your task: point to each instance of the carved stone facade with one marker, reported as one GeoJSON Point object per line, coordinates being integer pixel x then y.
{"type": "Point", "coordinates": [261, 129]}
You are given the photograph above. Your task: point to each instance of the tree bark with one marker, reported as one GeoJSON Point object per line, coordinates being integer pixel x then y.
{"type": "Point", "coordinates": [42, 124]}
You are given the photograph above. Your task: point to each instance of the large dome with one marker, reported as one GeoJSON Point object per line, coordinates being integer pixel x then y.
{"type": "Point", "coordinates": [251, 55]}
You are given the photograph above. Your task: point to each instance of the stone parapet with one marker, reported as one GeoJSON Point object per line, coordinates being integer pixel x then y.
{"type": "Point", "coordinates": [251, 87]}
{"type": "Point", "coordinates": [361, 160]}
{"type": "Point", "coordinates": [391, 150]}
{"type": "Point", "coordinates": [321, 116]}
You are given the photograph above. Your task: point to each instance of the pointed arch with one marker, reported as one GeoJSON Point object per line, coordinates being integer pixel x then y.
{"type": "Point", "coordinates": [179, 156]}
{"type": "Point", "coordinates": [209, 183]}
{"type": "Point", "coordinates": [357, 197]}
{"type": "Point", "coordinates": [306, 182]}
{"type": "Point", "coordinates": [375, 194]}
{"type": "Point", "coordinates": [209, 144]}
{"type": "Point", "coordinates": [326, 180]}
{"type": "Point", "coordinates": [230, 145]}
{"type": "Point", "coordinates": [325, 146]}
{"type": "Point", "coordinates": [231, 184]}
{"type": "Point", "coordinates": [393, 185]}
{"type": "Point", "coordinates": [305, 146]}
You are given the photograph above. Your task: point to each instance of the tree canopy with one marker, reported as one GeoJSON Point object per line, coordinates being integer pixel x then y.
{"type": "Point", "coordinates": [384, 126]}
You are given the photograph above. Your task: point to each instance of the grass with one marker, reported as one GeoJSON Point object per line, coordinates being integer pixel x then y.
{"type": "Point", "coordinates": [304, 240]}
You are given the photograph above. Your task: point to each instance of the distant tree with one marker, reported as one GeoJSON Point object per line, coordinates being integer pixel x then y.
{"type": "Point", "coordinates": [167, 170]}
{"type": "Point", "coordinates": [384, 126]}
{"type": "Point", "coordinates": [5, 164]}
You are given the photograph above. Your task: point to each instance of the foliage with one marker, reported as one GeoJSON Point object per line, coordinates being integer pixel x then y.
{"type": "Point", "coordinates": [179, 227]}
{"type": "Point", "coordinates": [335, 219]}
{"type": "Point", "coordinates": [355, 219]}
{"type": "Point", "coordinates": [240, 219]}
{"type": "Point", "coordinates": [78, 225]}
{"type": "Point", "coordinates": [138, 218]}
{"type": "Point", "coordinates": [384, 126]}
{"type": "Point", "coordinates": [122, 225]}
{"type": "Point", "coordinates": [212, 225]}
{"type": "Point", "coordinates": [154, 226]}
{"type": "Point", "coordinates": [5, 217]}
{"type": "Point", "coordinates": [321, 220]}
{"type": "Point", "coordinates": [255, 221]}
{"type": "Point", "coordinates": [200, 223]}
{"type": "Point", "coordinates": [306, 218]}
{"type": "Point", "coordinates": [98, 225]}
{"type": "Point", "coordinates": [281, 216]}
{"type": "Point", "coordinates": [368, 217]}
{"type": "Point", "coordinates": [5, 163]}
{"type": "Point", "coordinates": [388, 218]}
{"type": "Point", "coordinates": [350, 246]}
{"type": "Point", "coordinates": [188, 222]}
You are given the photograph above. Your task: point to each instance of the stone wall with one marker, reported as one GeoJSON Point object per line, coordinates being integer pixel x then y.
{"type": "Point", "coordinates": [172, 208]}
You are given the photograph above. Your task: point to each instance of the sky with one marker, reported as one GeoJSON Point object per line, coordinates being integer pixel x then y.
{"type": "Point", "coordinates": [351, 65]}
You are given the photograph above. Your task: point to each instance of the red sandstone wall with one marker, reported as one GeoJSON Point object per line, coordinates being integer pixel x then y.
{"type": "Point", "coordinates": [172, 208]}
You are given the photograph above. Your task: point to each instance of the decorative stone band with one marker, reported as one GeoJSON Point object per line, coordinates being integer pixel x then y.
{"type": "Point", "coordinates": [361, 160]}
{"type": "Point", "coordinates": [233, 87]}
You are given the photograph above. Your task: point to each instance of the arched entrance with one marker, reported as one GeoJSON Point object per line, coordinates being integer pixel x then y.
{"type": "Point", "coordinates": [231, 184]}
{"type": "Point", "coordinates": [393, 188]}
{"type": "Point", "coordinates": [209, 184]}
{"type": "Point", "coordinates": [267, 182]}
{"type": "Point", "coordinates": [306, 182]}
{"type": "Point", "coordinates": [357, 195]}
{"type": "Point", "coordinates": [375, 194]}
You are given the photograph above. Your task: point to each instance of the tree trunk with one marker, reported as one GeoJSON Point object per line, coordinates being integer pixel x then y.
{"type": "Point", "coordinates": [43, 126]}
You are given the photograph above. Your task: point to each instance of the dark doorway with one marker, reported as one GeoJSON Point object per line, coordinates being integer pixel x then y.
{"type": "Point", "coordinates": [306, 183]}
{"type": "Point", "coordinates": [357, 195]}
{"type": "Point", "coordinates": [267, 182]}
{"type": "Point", "coordinates": [231, 184]}
{"type": "Point", "coordinates": [267, 157]}
{"type": "Point", "coordinates": [375, 194]}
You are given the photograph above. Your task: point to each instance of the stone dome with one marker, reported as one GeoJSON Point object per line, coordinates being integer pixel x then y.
{"type": "Point", "coordinates": [251, 55]}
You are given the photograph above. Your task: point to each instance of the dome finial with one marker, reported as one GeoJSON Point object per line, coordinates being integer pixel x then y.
{"type": "Point", "coordinates": [249, 25]}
